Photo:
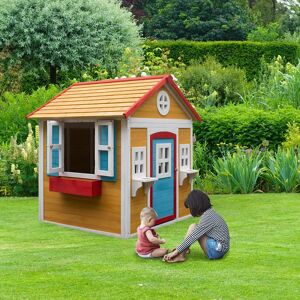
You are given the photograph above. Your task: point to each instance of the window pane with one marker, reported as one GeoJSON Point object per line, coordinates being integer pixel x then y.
{"type": "Point", "coordinates": [136, 156]}
{"type": "Point", "coordinates": [103, 134]}
{"type": "Point", "coordinates": [141, 168]}
{"type": "Point", "coordinates": [55, 134]}
{"type": "Point", "coordinates": [161, 153]}
{"type": "Point", "coordinates": [186, 162]}
{"type": "Point", "coordinates": [182, 162]}
{"type": "Point", "coordinates": [55, 158]}
{"type": "Point", "coordinates": [167, 167]}
{"type": "Point", "coordinates": [186, 151]}
{"type": "Point", "coordinates": [160, 168]}
{"type": "Point", "coordinates": [103, 160]}
{"type": "Point", "coordinates": [142, 155]}
{"type": "Point", "coordinates": [136, 169]}
{"type": "Point", "coordinates": [166, 152]}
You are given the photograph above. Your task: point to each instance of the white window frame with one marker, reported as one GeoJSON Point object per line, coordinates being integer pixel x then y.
{"type": "Point", "coordinates": [141, 161]}
{"type": "Point", "coordinates": [163, 160]}
{"type": "Point", "coordinates": [163, 99]}
{"type": "Point", "coordinates": [109, 148]}
{"type": "Point", "coordinates": [185, 156]}
{"type": "Point", "coordinates": [51, 146]}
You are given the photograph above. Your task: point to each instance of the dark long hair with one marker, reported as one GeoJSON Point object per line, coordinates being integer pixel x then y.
{"type": "Point", "coordinates": [198, 202]}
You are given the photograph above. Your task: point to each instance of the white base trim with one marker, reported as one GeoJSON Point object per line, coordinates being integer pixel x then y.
{"type": "Point", "coordinates": [161, 124]}
{"type": "Point", "coordinates": [167, 223]}
{"type": "Point", "coordinates": [85, 229]}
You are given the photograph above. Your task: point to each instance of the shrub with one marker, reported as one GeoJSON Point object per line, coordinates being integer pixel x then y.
{"type": "Point", "coordinates": [244, 125]}
{"type": "Point", "coordinates": [278, 86]}
{"type": "Point", "coordinates": [245, 55]}
{"type": "Point", "coordinates": [19, 166]}
{"type": "Point", "coordinates": [209, 83]}
{"type": "Point", "coordinates": [283, 170]}
{"type": "Point", "coordinates": [238, 172]}
{"type": "Point", "coordinates": [15, 107]}
{"type": "Point", "coordinates": [292, 137]}
{"type": "Point", "coordinates": [268, 33]}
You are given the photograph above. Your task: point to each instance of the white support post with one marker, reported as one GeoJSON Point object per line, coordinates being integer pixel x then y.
{"type": "Point", "coordinates": [41, 170]}
{"type": "Point", "coordinates": [125, 179]}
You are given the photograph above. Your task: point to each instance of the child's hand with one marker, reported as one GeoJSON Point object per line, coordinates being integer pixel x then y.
{"type": "Point", "coordinates": [162, 241]}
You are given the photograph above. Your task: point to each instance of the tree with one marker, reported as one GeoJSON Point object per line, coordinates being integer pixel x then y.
{"type": "Point", "coordinates": [66, 34]}
{"type": "Point", "coordinates": [201, 20]}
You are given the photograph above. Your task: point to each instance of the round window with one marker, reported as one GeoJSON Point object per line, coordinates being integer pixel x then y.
{"type": "Point", "coordinates": [163, 103]}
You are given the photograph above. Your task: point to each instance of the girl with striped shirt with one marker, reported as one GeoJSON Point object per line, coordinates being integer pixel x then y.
{"type": "Point", "coordinates": [211, 232]}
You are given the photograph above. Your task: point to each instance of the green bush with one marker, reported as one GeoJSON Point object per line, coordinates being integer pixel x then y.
{"type": "Point", "coordinates": [15, 107]}
{"type": "Point", "coordinates": [245, 55]}
{"type": "Point", "coordinates": [238, 172]}
{"type": "Point", "coordinates": [244, 125]}
{"type": "Point", "coordinates": [209, 83]}
{"type": "Point", "coordinates": [19, 166]}
{"type": "Point", "coordinates": [283, 170]}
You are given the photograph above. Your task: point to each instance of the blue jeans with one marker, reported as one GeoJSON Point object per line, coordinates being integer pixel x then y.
{"type": "Point", "coordinates": [212, 250]}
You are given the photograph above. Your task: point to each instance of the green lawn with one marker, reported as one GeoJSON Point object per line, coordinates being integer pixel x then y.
{"type": "Point", "coordinates": [44, 261]}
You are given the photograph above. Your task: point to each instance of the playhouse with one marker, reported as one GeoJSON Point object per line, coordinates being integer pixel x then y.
{"type": "Point", "coordinates": [109, 148]}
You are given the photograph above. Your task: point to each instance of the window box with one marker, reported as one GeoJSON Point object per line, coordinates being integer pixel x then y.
{"type": "Point", "coordinates": [74, 186]}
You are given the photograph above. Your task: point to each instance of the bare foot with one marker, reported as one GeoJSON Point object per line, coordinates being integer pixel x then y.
{"type": "Point", "coordinates": [179, 258]}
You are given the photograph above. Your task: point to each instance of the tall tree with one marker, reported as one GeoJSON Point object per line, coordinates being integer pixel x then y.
{"type": "Point", "coordinates": [66, 34]}
{"type": "Point", "coordinates": [201, 20]}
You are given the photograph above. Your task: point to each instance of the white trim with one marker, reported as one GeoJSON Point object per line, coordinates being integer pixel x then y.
{"type": "Point", "coordinates": [85, 229]}
{"type": "Point", "coordinates": [162, 124]}
{"type": "Point", "coordinates": [167, 223]}
{"type": "Point", "coordinates": [79, 175]}
{"type": "Point", "coordinates": [163, 103]}
{"type": "Point", "coordinates": [125, 179]}
{"type": "Point", "coordinates": [140, 161]}
{"type": "Point", "coordinates": [191, 153]}
{"type": "Point", "coordinates": [41, 170]}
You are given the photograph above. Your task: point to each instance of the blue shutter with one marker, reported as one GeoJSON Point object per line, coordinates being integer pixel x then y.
{"type": "Point", "coordinates": [54, 147]}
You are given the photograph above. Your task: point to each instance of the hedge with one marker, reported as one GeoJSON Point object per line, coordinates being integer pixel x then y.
{"type": "Point", "coordinates": [246, 55]}
{"type": "Point", "coordinates": [244, 126]}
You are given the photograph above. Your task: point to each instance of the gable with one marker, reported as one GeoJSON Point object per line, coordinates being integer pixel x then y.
{"type": "Point", "coordinates": [149, 108]}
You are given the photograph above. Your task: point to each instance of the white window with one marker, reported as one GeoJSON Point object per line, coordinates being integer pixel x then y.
{"type": "Point", "coordinates": [80, 149]}
{"type": "Point", "coordinates": [163, 160]}
{"type": "Point", "coordinates": [54, 147]}
{"type": "Point", "coordinates": [163, 103]}
{"type": "Point", "coordinates": [184, 156]}
{"type": "Point", "coordinates": [104, 148]}
{"type": "Point", "coordinates": [138, 162]}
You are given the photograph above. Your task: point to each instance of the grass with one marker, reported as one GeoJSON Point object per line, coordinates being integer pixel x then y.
{"type": "Point", "coordinates": [44, 261]}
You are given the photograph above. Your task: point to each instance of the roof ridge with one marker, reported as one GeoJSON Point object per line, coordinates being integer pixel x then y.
{"type": "Point", "coordinates": [122, 79]}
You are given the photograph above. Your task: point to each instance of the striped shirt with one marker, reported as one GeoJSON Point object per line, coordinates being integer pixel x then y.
{"type": "Point", "coordinates": [213, 226]}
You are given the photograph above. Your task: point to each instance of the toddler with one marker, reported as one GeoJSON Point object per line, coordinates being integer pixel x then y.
{"type": "Point", "coordinates": [148, 243]}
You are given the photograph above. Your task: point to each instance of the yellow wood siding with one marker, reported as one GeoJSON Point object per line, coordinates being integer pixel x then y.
{"type": "Point", "coordinates": [149, 109]}
{"type": "Point", "coordinates": [184, 138]}
{"type": "Point", "coordinates": [101, 213]}
{"type": "Point", "coordinates": [138, 138]}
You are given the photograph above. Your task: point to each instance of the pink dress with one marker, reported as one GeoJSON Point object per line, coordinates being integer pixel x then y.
{"type": "Point", "coordinates": [143, 245]}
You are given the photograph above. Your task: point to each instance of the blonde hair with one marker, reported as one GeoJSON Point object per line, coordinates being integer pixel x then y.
{"type": "Point", "coordinates": [148, 213]}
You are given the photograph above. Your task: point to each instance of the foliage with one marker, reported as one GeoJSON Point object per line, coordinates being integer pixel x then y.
{"type": "Point", "coordinates": [196, 20]}
{"type": "Point", "coordinates": [283, 172]}
{"type": "Point", "coordinates": [245, 55]}
{"type": "Point", "coordinates": [15, 107]}
{"type": "Point", "coordinates": [244, 125]}
{"type": "Point", "coordinates": [279, 85]}
{"type": "Point", "coordinates": [268, 33]}
{"type": "Point", "coordinates": [19, 166]}
{"type": "Point", "coordinates": [209, 83]}
{"type": "Point", "coordinates": [238, 172]}
{"type": "Point", "coordinates": [292, 137]}
{"type": "Point", "coordinates": [69, 34]}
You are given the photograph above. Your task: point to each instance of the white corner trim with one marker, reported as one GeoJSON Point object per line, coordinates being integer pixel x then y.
{"type": "Point", "coordinates": [41, 170]}
{"type": "Point", "coordinates": [85, 229]}
{"type": "Point", "coordinates": [125, 179]}
{"type": "Point", "coordinates": [162, 124]}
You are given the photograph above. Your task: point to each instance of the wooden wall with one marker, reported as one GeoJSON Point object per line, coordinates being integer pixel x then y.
{"type": "Point", "coordinates": [101, 213]}
{"type": "Point", "coordinates": [184, 138]}
{"type": "Point", "coordinates": [149, 109]}
{"type": "Point", "coordinates": [138, 138]}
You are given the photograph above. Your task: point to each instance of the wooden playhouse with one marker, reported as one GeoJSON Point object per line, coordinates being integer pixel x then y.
{"type": "Point", "coordinates": [109, 148]}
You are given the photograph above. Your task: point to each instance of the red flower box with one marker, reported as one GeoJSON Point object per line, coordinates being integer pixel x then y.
{"type": "Point", "coordinates": [75, 186]}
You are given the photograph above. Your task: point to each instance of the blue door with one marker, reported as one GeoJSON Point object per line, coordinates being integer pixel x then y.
{"type": "Point", "coordinates": [163, 167]}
